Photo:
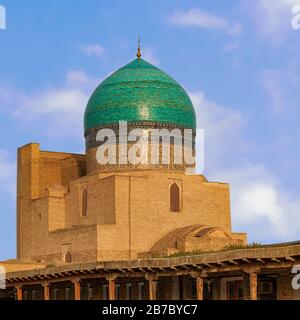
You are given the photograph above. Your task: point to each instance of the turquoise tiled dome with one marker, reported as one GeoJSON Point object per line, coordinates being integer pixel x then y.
{"type": "Point", "coordinates": [139, 92]}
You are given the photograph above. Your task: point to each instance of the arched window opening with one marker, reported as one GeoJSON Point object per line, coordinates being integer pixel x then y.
{"type": "Point", "coordinates": [84, 202]}
{"type": "Point", "coordinates": [174, 198]}
{"type": "Point", "coordinates": [68, 257]}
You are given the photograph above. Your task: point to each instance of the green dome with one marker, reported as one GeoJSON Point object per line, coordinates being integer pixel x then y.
{"type": "Point", "coordinates": [139, 92]}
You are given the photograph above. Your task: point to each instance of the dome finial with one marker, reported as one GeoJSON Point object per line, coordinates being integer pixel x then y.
{"type": "Point", "coordinates": [139, 54]}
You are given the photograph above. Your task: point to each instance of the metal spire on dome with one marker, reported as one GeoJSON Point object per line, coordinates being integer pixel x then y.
{"type": "Point", "coordinates": [139, 54]}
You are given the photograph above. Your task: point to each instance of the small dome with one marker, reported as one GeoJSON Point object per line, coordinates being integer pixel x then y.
{"type": "Point", "coordinates": [139, 92]}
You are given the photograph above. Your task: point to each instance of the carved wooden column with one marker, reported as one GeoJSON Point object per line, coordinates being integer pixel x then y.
{"type": "Point", "coordinates": [199, 276]}
{"type": "Point", "coordinates": [199, 285]}
{"type": "Point", "coordinates": [46, 286]}
{"type": "Point", "coordinates": [19, 292]}
{"type": "Point", "coordinates": [252, 278]}
{"type": "Point", "coordinates": [111, 286]}
{"type": "Point", "coordinates": [253, 285]}
{"type": "Point", "coordinates": [152, 280]}
{"type": "Point", "coordinates": [77, 288]}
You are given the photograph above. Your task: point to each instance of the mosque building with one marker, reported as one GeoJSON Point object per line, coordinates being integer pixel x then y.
{"type": "Point", "coordinates": [124, 230]}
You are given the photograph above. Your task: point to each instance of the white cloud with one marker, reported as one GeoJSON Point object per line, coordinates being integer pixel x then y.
{"type": "Point", "coordinates": [81, 80]}
{"type": "Point", "coordinates": [230, 47]}
{"type": "Point", "coordinates": [235, 30]}
{"type": "Point", "coordinates": [202, 19]}
{"type": "Point", "coordinates": [272, 18]}
{"type": "Point", "coordinates": [271, 81]}
{"type": "Point", "coordinates": [149, 55]}
{"type": "Point", "coordinates": [223, 127]}
{"type": "Point", "coordinates": [260, 204]}
{"type": "Point", "coordinates": [77, 76]}
{"type": "Point", "coordinates": [7, 96]}
{"type": "Point", "coordinates": [65, 100]}
{"type": "Point", "coordinates": [7, 172]}
{"type": "Point", "coordinates": [61, 106]}
{"type": "Point", "coordinates": [93, 50]}
{"type": "Point", "coordinates": [199, 18]}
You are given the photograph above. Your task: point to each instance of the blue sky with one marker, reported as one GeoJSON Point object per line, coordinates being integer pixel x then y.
{"type": "Point", "coordinates": [238, 60]}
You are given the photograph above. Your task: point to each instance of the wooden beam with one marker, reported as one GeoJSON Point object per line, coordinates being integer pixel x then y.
{"type": "Point", "coordinates": [290, 259]}
{"type": "Point", "coordinates": [197, 267]}
{"type": "Point", "coordinates": [275, 260]}
{"type": "Point", "coordinates": [123, 271]}
{"type": "Point", "coordinates": [185, 267]}
{"type": "Point", "coordinates": [76, 272]}
{"type": "Point", "coordinates": [208, 265]}
{"type": "Point", "coordinates": [260, 260]}
{"type": "Point", "coordinates": [86, 271]}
